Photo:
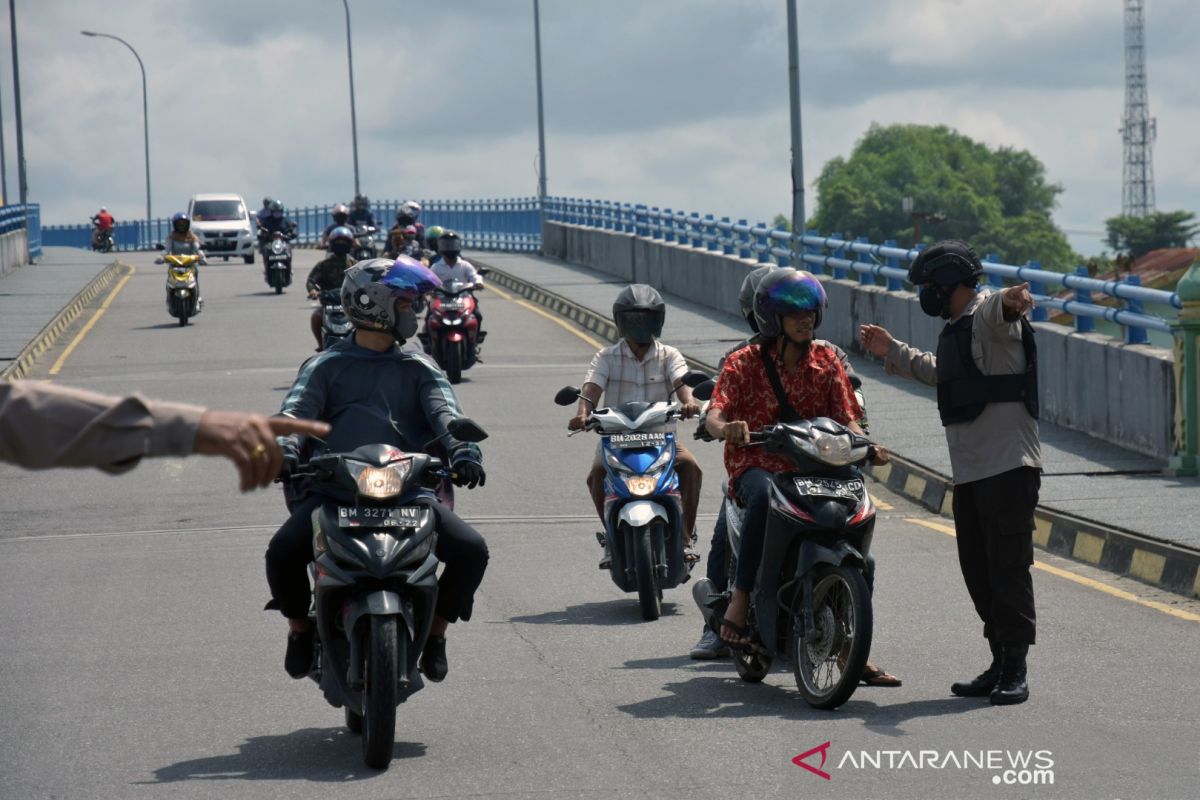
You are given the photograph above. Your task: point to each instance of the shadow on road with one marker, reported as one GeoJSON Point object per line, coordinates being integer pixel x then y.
{"type": "Point", "coordinates": [729, 697]}
{"type": "Point", "coordinates": [610, 612]}
{"type": "Point", "coordinates": [313, 754]}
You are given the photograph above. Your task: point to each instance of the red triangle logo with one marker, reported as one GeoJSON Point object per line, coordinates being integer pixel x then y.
{"type": "Point", "coordinates": [821, 748]}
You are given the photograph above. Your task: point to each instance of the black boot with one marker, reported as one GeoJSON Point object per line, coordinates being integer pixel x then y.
{"type": "Point", "coordinates": [299, 657]}
{"type": "Point", "coordinates": [983, 683]}
{"type": "Point", "coordinates": [1011, 687]}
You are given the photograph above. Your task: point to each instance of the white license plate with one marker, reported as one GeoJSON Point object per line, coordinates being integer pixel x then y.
{"type": "Point", "coordinates": [629, 440]}
{"type": "Point", "coordinates": [828, 487]}
{"type": "Point", "coordinates": [370, 517]}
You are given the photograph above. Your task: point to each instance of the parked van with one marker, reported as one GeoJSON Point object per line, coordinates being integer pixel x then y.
{"type": "Point", "coordinates": [224, 225]}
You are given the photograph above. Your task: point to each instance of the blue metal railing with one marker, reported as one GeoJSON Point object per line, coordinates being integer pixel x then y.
{"type": "Point", "coordinates": [873, 263]}
{"type": "Point", "coordinates": [29, 216]}
{"type": "Point", "coordinates": [512, 224]}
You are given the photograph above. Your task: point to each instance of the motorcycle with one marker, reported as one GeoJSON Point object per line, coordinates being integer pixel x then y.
{"type": "Point", "coordinates": [277, 259]}
{"type": "Point", "coordinates": [103, 241]}
{"type": "Point", "coordinates": [643, 514]}
{"type": "Point", "coordinates": [811, 602]}
{"type": "Point", "coordinates": [375, 579]}
{"type": "Point", "coordinates": [365, 245]}
{"type": "Point", "coordinates": [335, 325]}
{"type": "Point", "coordinates": [452, 335]}
{"type": "Point", "coordinates": [183, 296]}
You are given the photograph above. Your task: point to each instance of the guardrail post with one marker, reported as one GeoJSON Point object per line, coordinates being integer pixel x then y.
{"type": "Point", "coordinates": [784, 261]}
{"type": "Point", "coordinates": [814, 250]}
{"type": "Point", "coordinates": [865, 278]}
{"type": "Point", "coordinates": [893, 284]}
{"type": "Point", "coordinates": [710, 232]}
{"type": "Point", "coordinates": [840, 252]}
{"type": "Point", "coordinates": [639, 221]}
{"type": "Point", "coordinates": [726, 242]}
{"type": "Point", "coordinates": [764, 243]}
{"type": "Point", "coordinates": [668, 225]}
{"type": "Point", "coordinates": [1084, 324]}
{"type": "Point", "coordinates": [654, 222]}
{"type": "Point", "coordinates": [1039, 314]}
{"type": "Point", "coordinates": [1135, 334]}
{"type": "Point", "coordinates": [1186, 461]}
{"type": "Point", "coordinates": [743, 241]}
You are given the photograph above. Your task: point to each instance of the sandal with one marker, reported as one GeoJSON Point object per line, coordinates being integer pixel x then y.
{"type": "Point", "coordinates": [741, 630]}
{"type": "Point", "coordinates": [690, 554]}
{"type": "Point", "coordinates": [874, 676]}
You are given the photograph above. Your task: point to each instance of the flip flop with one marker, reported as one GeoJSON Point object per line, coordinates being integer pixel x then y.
{"type": "Point", "coordinates": [690, 555]}
{"type": "Point", "coordinates": [874, 676]}
{"type": "Point", "coordinates": [740, 630]}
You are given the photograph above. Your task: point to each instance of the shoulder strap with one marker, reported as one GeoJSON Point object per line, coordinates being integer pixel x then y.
{"type": "Point", "coordinates": [786, 412]}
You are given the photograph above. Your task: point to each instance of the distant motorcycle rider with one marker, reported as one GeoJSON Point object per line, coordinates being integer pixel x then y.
{"type": "Point", "coordinates": [265, 211]}
{"type": "Point", "coordinates": [432, 233]}
{"type": "Point", "coordinates": [103, 224]}
{"type": "Point", "coordinates": [341, 216]}
{"type": "Point", "coordinates": [410, 214]}
{"type": "Point", "coordinates": [360, 212]}
{"type": "Point", "coordinates": [453, 268]}
{"type": "Point", "coordinates": [182, 241]}
{"type": "Point", "coordinates": [276, 221]}
{"type": "Point", "coordinates": [372, 392]}
{"type": "Point", "coordinates": [329, 273]}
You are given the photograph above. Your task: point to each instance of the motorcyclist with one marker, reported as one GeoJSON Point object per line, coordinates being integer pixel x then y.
{"type": "Point", "coordinates": [372, 392]}
{"type": "Point", "coordinates": [431, 243]}
{"type": "Point", "coordinates": [404, 242]}
{"type": "Point", "coordinates": [341, 216]}
{"type": "Point", "coordinates": [276, 221]}
{"type": "Point", "coordinates": [329, 273]}
{"type": "Point", "coordinates": [182, 241]}
{"type": "Point", "coordinates": [453, 268]}
{"type": "Point", "coordinates": [410, 214]}
{"type": "Point", "coordinates": [788, 306]}
{"type": "Point", "coordinates": [265, 211]}
{"type": "Point", "coordinates": [360, 212]}
{"type": "Point", "coordinates": [639, 367]}
{"type": "Point", "coordinates": [102, 223]}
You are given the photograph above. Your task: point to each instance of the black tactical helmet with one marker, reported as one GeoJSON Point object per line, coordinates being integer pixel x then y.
{"type": "Point", "coordinates": [449, 242]}
{"type": "Point", "coordinates": [639, 313]}
{"type": "Point", "coordinates": [947, 263]}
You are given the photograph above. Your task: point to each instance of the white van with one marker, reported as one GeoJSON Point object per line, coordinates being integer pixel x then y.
{"type": "Point", "coordinates": [224, 225]}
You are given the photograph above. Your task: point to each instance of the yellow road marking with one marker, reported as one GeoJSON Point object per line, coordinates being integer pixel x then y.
{"type": "Point", "coordinates": [882, 506]}
{"type": "Point", "coordinates": [1081, 580]}
{"type": "Point", "coordinates": [58, 364]}
{"type": "Point", "coordinates": [556, 320]}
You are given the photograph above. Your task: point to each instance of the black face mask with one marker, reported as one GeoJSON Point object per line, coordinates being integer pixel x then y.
{"type": "Point", "coordinates": [340, 248]}
{"type": "Point", "coordinates": [935, 300]}
{"type": "Point", "coordinates": [340, 218]}
{"type": "Point", "coordinates": [406, 325]}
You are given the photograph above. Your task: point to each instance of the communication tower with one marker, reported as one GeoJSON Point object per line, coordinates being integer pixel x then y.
{"type": "Point", "coordinates": [1138, 128]}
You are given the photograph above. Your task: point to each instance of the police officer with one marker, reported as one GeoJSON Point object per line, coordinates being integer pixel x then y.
{"type": "Point", "coordinates": [985, 371]}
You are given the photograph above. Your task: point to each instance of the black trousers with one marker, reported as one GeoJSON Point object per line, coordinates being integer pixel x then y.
{"type": "Point", "coordinates": [993, 519]}
{"type": "Point", "coordinates": [459, 547]}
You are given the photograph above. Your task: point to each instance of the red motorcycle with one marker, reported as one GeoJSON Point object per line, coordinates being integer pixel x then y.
{"type": "Point", "coordinates": [452, 335]}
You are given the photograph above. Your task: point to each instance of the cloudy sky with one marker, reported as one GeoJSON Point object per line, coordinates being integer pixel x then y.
{"type": "Point", "coordinates": [679, 103]}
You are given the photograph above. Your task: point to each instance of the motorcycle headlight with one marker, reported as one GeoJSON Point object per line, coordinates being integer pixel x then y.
{"type": "Point", "coordinates": [616, 464]}
{"type": "Point", "coordinates": [380, 483]}
{"type": "Point", "coordinates": [828, 448]}
{"type": "Point", "coordinates": [641, 485]}
{"type": "Point", "coordinates": [276, 246]}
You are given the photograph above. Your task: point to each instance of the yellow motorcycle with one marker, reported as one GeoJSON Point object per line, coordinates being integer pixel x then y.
{"type": "Point", "coordinates": [183, 294]}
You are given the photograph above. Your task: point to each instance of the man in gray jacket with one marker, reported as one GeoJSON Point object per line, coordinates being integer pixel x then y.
{"type": "Point", "coordinates": [985, 371]}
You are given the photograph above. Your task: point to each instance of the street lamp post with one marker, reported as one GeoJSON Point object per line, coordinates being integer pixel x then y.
{"type": "Point", "coordinates": [537, 43]}
{"type": "Point", "coordinates": [797, 153]}
{"type": "Point", "coordinates": [22, 187]}
{"type": "Point", "coordinates": [353, 117]}
{"type": "Point", "coordinates": [145, 112]}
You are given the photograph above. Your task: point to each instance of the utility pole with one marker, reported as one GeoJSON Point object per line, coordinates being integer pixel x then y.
{"type": "Point", "coordinates": [22, 186]}
{"type": "Point", "coordinates": [537, 45]}
{"type": "Point", "coordinates": [353, 115]}
{"type": "Point", "coordinates": [794, 93]}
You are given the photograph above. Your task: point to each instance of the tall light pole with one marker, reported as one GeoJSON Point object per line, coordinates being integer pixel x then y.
{"type": "Point", "coordinates": [353, 117]}
{"type": "Point", "coordinates": [537, 43]}
{"type": "Point", "coordinates": [22, 187]}
{"type": "Point", "coordinates": [3, 161]}
{"type": "Point", "coordinates": [797, 157]}
{"type": "Point", "coordinates": [145, 110]}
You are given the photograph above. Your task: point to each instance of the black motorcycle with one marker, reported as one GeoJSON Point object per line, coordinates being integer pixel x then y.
{"type": "Point", "coordinates": [811, 602]}
{"type": "Point", "coordinates": [375, 575]}
{"type": "Point", "coordinates": [102, 240]}
{"type": "Point", "coordinates": [366, 243]}
{"type": "Point", "coordinates": [335, 325]}
{"type": "Point", "coordinates": [277, 258]}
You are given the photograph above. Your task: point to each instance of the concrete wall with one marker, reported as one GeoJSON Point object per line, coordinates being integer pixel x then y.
{"type": "Point", "coordinates": [14, 250]}
{"type": "Point", "coordinates": [1092, 383]}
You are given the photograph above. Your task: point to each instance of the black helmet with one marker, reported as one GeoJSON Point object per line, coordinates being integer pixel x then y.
{"type": "Point", "coordinates": [180, 222]}
{"type": "Point", "coordinates": [360, 201]}
{"type": "Point", "coordinates": [786, 291]}
{"type": "Point", "coordinates": [639, 313]}
{"type": "Point", "coordinates": [267, 201]}
{"type": "Point", "coordinates": [749, 287]}
{"type": "Point", "coordinates": [340, 211]}
{"type": "Point", "coordinates": [947, 263]}
{"type": "Point", "coordinates": [449, 243]}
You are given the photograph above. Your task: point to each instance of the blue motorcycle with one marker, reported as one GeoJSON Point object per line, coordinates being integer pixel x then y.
{"type": "Point", "coordinates": [643, 514]}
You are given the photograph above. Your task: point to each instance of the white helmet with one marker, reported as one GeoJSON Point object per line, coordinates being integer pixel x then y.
{"type": "Point", "coordinates": [413, 209]}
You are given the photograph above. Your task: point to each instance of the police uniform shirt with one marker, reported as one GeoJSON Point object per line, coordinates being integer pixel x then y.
{"type": "Point", "coordinates": [1003, 437]}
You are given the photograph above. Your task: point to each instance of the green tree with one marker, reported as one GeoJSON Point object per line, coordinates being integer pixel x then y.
{"type": "Point", "coordinates": [1136, 236]}
{"type": "Point", "coordinates": [998, 200]}
{"type": "Point", "coordinates": [781, 223]}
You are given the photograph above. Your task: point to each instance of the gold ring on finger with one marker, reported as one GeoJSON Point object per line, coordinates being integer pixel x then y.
{"type": "Point", "coordinates": [259, 451]}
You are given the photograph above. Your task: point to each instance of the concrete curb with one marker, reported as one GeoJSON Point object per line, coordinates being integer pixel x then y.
{"type": "Point", "coordinates": [1125, 553]}
{"type": "Point", "coordinates": [48, 335]}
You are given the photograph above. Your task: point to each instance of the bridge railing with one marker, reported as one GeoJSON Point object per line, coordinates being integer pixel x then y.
{"type": "Point", "coordinates": [512, 224]}
{"type": "Point", "coordinates": [873, 263]}
{"type": "Point", "coordinates": [28, 216]}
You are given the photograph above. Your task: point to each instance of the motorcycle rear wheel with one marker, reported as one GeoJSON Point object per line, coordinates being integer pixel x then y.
{"type": "Point", "coordinates": [649, 593]}
{"type": "Point", "coordinates": [828, 669]}
{"type": "Point", "coordinates": [379, 693]}
{"type": "Point", "coordinates": [751, 667]}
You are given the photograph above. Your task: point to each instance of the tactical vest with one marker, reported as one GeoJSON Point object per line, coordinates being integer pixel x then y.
{"type": "Point", "coordinates": [963, 390]}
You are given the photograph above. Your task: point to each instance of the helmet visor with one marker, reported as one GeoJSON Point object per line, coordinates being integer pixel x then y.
{"type": "Point", "coordinates": [639, 326]}
{"type": "Point", "coordinates": [801, 293]}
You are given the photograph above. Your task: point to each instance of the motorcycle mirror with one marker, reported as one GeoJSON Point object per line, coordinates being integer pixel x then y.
{"type": "Point", "coordinates": [694, 378]}
{"type": "Point", "coordinates": [482, 270]}
{"type": "Point", "coordinates": [466, 430]}
{"type": "Point", "coordinates": [158, 245]}
{"type": "Point", "coordinates": [704, 390]}
{"type": "Point", "coordinates": [566, 396]}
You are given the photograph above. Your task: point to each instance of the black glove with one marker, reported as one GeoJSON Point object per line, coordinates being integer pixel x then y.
{"type": "Point", "coordinates": [469, 474]}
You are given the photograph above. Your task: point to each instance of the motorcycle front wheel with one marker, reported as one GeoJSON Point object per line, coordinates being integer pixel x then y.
{"type": "Point", "coordinates": [453, 361]}
{"type": "Point", "coordinates": [379, 693]}
{"type": "Point", "coordinates": [649, 593]}
{"type": "Point", "coordinates": [829, 665]}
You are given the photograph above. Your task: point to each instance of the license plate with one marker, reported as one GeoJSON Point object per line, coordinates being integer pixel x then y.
{"type": "Point", "coordinates": [628, 440]}
{"type": "Point", "coordinates": [827, 487]}
{"type": "Point", "coordinates": [367, 517]}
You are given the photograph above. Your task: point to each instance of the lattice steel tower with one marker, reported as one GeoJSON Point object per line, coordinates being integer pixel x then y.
{"type": "Point", "coordinates": [1138, 128]}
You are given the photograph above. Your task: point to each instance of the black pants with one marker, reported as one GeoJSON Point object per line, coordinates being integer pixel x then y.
{"type": "Point", "coordinates": [993, 519]}
{"type": "Point", "coordinates": [459, 547]}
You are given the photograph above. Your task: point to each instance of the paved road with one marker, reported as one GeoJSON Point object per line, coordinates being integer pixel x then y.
{"type": "Point", "coordinates": [137, 662]}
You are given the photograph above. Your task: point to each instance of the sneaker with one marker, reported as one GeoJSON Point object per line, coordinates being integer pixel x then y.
{"type": "Point", "coordinates": [299, 657]}
{"type": "Point", "coordinates": [433, 660]}
{"type": "Point", "coordinates": [606, 559]}
{"type": "Point", "coordinates": [709, 647]}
